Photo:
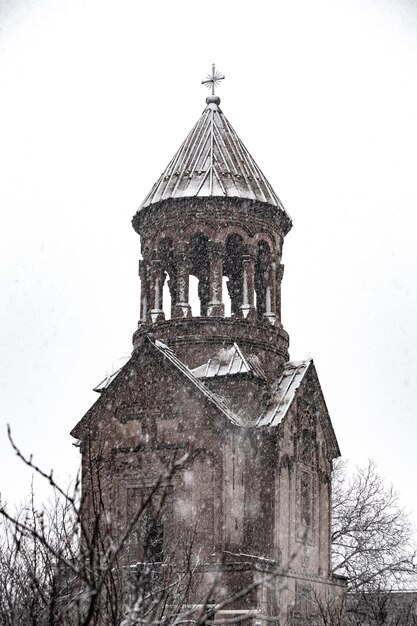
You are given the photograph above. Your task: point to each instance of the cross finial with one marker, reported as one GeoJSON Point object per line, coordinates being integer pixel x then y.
{"type": "Point", "coordinates": [213, 80]}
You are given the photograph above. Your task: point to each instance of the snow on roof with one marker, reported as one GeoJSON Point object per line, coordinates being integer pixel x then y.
{"type": "Point", "coordinates": [213, 161]}
{"type": "Point", "coordinates": [170, 355]}
{"type": "Point", "coordinates": [229, 362]}
{"type": "Point", "coordinates": [110, 377]}
{"type": "Point", "coordinates": [291, 378]}
{"type": "Point", "coordinates": [210, 395]}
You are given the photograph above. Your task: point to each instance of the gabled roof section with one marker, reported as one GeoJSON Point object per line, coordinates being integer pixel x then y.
{"type": "Point", "coordinates": [291, 379]}
{"type": "Point", "coordinates": [286, 392]}
{"type": "Point", "coordinates": [210, 395]}
{"type": "Point", "coordinates": [110, 377]}
{"type": "Point", "coordinates": [212, 161]}
{"type": "Point", "coordinates": [120, 375]}
{"type": "Point", "coordinates": [229, 362]}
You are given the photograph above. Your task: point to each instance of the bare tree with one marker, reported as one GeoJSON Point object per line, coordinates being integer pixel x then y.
{"type": "Point", "coordinates": [372, 537]}
{"type": "Point", "coordinates": [34, 541]}
{"type": "Point", "coordinates": [383, 608]}
{"type": "Point", "coordinates": [373, 546]}
{"type": "Point", "coordinates": [56, 568]}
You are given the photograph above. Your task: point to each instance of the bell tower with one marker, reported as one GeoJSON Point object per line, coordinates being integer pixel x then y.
{"type": "Point", "coordinates": [256, 491]}
{"type": "Point", "coordinates": [212, 214]}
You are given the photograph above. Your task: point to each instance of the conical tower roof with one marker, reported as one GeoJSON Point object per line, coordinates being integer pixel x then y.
{"type": "Point", "coordinates": [212, 162]}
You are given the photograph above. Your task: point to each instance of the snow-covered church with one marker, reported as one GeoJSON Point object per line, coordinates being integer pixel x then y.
{"type": "Point", "coordinates": [255, 490]}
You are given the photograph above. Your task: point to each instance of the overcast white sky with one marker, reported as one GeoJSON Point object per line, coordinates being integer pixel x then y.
{"type": "Point", "coordinates": [96, 96]}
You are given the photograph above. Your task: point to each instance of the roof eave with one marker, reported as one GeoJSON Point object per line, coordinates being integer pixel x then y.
{"type": "Point", "coordinates": [144, 213]}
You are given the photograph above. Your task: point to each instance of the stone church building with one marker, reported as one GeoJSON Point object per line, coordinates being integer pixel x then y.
{"type": "Point", "coordinates": [255, 489]}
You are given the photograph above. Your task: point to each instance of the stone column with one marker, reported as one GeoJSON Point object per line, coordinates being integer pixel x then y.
{"type": "Point", "coordinates": [144, 290]}
{"type": "Point", "coordinates": [181, 308]}
{"type": "Point", "coordinates": [157, 283]}
{"type": "Point", "coordinates": [204, 291]}
{"type": "Point", "coordinates": [280, 274]}
{"type": "Point", "coordinates": [247, 307]}
{"type": "Point", "coordinates": [271, 294]}
{"type": "Point", "coordinates": [216, 254]}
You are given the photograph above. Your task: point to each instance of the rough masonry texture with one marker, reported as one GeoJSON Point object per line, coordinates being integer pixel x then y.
{"type": "Point", "coordinates": [256, 492]}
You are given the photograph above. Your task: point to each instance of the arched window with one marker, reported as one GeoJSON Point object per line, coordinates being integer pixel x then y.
{"type": "Point", "coordinates": [306, 502]}
{"type": "Point", "coordinates": [166, 300]}
{"type": "Point", "coordinates": [194, 299]}
{"type": "Point", "coordinates": [227, 301]}
{"type": "Point", "coordinates": [166, 254]}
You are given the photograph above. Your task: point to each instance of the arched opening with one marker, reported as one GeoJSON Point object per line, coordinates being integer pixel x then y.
{"type": "Point", "coordinates": [166, 300]}
{"type": "Point", "coordinates": [193, 296]}
{"type": "Point", "coordinates": [233, 269]}
{"type": "Point", "coordinates": [200, 268]}
{"type": "Point", "coordinates": [262, 266]}
{"type": "Point", "coordinates": [227, 301]}
{"type": "Point", "coordinates": [166, 255]}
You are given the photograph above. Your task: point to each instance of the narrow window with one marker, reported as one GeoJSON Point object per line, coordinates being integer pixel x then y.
{"type": "Point", "coordinates": [153, 538]}
{"type": "Point", "coordinates": [305, 496]}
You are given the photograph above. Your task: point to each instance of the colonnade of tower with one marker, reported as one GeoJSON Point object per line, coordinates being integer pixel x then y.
{"type": "Point", "coordinates": [251, 265]}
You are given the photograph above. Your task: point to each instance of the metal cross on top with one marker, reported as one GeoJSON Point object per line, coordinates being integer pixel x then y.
{"type": "Point", "coordinates": [213, 80]}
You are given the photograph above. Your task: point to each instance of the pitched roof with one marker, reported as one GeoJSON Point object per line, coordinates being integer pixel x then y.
{"type": "Point", "coordinates": [233, 362]}
{"type": "Point", "coordinates": [189, 374]}
{"type": "Point", "coordinates": [285, 393]}
{"type": "Point", "coordinates": [228, 362]}
{"type": "Point", "coordinates": [102, 385]}
{"type": "Point", "coordinates": [291, 378]}
{"type": "Point", "coordinates": [212, 161]}
{"type": "Point", "coordinates": [166, 352]}
{"type": "Point", "coordinates": [217, 400]}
